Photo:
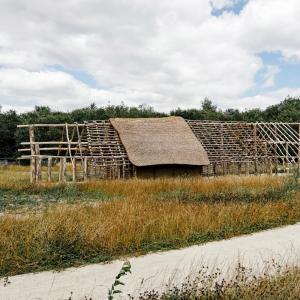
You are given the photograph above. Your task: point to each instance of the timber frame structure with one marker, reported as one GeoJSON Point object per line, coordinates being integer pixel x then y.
{"type": "Point", "coordinates": [94, 149]}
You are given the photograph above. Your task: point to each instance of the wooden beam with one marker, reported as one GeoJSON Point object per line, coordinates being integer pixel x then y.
{"type": "Point", "coordinates": [62, 169]}
{"type": "Point", "coordinates": [85, 169]}
{"type": "Point", "coordinates": [32, 158]}
{"type": "Point", "coordinates": [49, 171]}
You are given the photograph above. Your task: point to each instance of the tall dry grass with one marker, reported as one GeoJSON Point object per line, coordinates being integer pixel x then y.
{"type": "Point", "coordinates": [282, 283]}
{"type": "Point", "coordinates": [134, 216]}
{"type": "Point", "coordinates": [71, 234]}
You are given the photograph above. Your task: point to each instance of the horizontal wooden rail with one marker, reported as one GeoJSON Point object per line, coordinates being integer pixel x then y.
{"type": "Point", "coordinates": [51, 143]}
{"type": "Point", "coordinates": [50, 125]}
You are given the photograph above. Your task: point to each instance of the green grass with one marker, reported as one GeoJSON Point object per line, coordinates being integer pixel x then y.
{"type": "Point", "coordinates": [41, 197]}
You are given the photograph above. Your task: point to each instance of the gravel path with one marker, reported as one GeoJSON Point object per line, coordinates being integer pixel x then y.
{"type": "Point", "coordinates": [157, 269]}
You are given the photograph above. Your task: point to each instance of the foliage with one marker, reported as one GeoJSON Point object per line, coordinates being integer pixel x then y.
{"type": "Point", "coordinates": [276, 283]}
{"type": "Point", "coordinates": [286, 111]}
{"type": "Point", "coordinates": [126, 268]}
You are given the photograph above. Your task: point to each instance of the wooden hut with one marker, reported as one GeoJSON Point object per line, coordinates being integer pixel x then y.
{"type": "Point", "coordinates": [161, 146]}
{"type": "Point", "coordinates": [155, 147]}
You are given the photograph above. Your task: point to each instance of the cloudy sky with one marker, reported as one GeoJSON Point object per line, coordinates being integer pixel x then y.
{"type": "Point", "coordinates": [166, 53]}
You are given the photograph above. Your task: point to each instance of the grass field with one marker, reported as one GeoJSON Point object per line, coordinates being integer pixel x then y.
{"type": "Point", "coordinates": [55, 226]}
{"type": "Point", "coordinates": [281, 283]}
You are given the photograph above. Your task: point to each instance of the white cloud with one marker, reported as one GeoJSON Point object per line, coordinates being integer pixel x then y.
{"type": "Point", "coordinates": [269, 75]}
{"type": "Point", "coordinates": [164, 53]}
{"type": "Point", "coordinates": [266, 99]}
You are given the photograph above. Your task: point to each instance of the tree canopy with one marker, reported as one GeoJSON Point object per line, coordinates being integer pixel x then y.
{"type": "Point", "coordinates": [286, 111]}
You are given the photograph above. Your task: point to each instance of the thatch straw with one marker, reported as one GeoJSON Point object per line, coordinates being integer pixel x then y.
{"type": "Point", "coordinates": [160, 141]}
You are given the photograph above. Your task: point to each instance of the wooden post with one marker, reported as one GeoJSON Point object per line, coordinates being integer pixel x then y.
{"type": "Point", "coordinates": [62, 169]}
{"type": "Point", "coordinates": [287, 158]}
{"type": "Point", "coordinates": [38, 167]}
{"type": "Point", "coordinates": [74, 169]}
{"type": "Point", "coordinates": [49, 172]}
{"type": "Point", "coordinates": [255, 148]}
{"type": "Point", "coordinates": [247, 167]}
{"type": "Point", "coordinates": [85, 169]}
{"type": "Point", "coordinates": [239, 171]}
{"type": "Point", "coordinates": [270, 166]}
{"type": "Point", "coordinates": [214, 169]}
{"type": "Point", "coordinates": [33, 158]}
{"type": "Point", "coordinates": [298, 147]}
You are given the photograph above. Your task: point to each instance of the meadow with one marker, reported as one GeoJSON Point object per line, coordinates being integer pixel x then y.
{"type": "Point", "coordinates": [53, 226]}
{"type": "Point", "coordinates": [279, 283]}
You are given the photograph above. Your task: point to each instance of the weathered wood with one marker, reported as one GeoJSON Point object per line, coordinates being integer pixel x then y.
{"type": "Point", "coordinates": [270, 166]}
{"type": "Point", "coordinates": [299, 147]}
{"type": "Point", "coordinates": [33, 158]}
{"type": "Point", "coordinates": [48, 125]}
{"type": "Point", "coordinates": [85, 169]}
{"type": "Point", "coordinates": [247, 167]}
{"type": "Point", "coordinates": [62, 169]}
{"type": "Point", "coordinates": [51, 143]}
{"type": "Point", "coordinates": [47, 149]}
{"type": "Point", "coordinates": [74, 169]}
{"type": "Point", "coordinates": [255, 147]}
{"type": "Point", "coordinates": [230, 147]}
{"type": "Point", "coordinates": [49, 170]}
{"type": "Point", "coordinates": [38, 168]}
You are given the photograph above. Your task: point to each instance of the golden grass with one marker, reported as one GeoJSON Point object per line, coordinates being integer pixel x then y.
{"type": "Point", "coordinates": [136, 220]}
{"type": "Point", "coordinates": [65, 233]}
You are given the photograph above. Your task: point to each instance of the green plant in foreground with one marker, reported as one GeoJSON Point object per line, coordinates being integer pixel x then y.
{"type": "Point", "coordinates": [126, 268]}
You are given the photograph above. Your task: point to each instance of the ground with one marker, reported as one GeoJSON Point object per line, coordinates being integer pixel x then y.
{"type": "Point", "coordinates": [52, 226]}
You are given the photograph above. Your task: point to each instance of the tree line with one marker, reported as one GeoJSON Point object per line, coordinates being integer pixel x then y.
{"type": "Point", "coordinates": [286, 111]}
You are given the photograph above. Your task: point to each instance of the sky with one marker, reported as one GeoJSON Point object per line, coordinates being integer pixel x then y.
{"type": "Point", "coordinates": [68, 54]}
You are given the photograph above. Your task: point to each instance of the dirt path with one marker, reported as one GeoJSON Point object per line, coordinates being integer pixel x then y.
{"type": "Point", "coordinates": [156, 270]}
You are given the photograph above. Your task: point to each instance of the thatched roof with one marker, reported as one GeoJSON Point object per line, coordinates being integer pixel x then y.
{"type": "Point", "coordinates": [160, 141]}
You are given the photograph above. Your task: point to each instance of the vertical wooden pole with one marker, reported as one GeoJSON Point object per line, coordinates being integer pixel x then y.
{"type": "Point", "coordinates": [247, 167]}
{"type": "Point", "coordinates": [74, 167]}
{"type": "Point", "coordinates": [239, 171]}
{"type": "Point", "coordinates": [214, 169]}
{"type": "Point", "coordinates": [255, 148]}
{"type": "Point", "coordinates": [298, 147]}
{"type": "Point", "coordinates": [33, 158]}
{"type": "Point", "coordinates": [287, 158]}
{"type": "Point", "coordinates": [62, 169]}
{"type": "Point", "coordinates": [85, 169]}
{"type": "Point", "coordinates": [38, 166]}
{"type": "Point", "coordinates": [222, 147]}
{"type": "Point", "coordinates": [270, 166]}
{"type": "Point", "coordinates": [49, 172]}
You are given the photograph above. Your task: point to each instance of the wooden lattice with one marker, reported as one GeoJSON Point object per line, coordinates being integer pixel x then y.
{"type": "Point", "coordinates": [267, 145]}
{"type": "Point", "coordinates": [106, 150]}
{"type": "Point", "coordinates": [94, 149]}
